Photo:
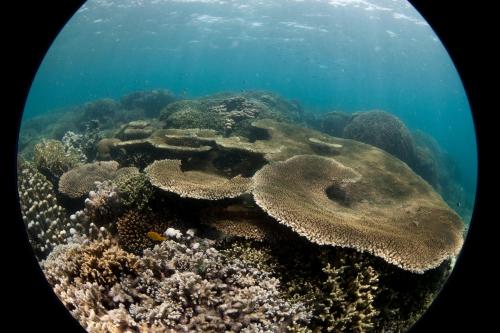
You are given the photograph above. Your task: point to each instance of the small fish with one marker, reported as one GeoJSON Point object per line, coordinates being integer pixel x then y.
{"type": "Point", "coordinates": [459, 204]}
{"type": "Point", "coordinates": [156, 236]}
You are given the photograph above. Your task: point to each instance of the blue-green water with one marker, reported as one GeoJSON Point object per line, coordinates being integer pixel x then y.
{"type": "Point", "coordinates": [330, 55]}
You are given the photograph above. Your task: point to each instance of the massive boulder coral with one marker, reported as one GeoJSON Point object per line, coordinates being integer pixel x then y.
{"type": "Point", "coordinates": [151, 101]}
{"type": "Point", "coordinates": [371, 203]}
{"type": "Point", "coordinates": [383, 130]}
{"type": "Point", "coordinates": [168, 176]}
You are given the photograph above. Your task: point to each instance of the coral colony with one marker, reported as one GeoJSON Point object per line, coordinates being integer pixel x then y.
{"type": "Point", "coordinates": [237, 212]}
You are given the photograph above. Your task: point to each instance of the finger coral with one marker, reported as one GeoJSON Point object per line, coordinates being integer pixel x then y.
{"type": "Point", "coordinates": [45, 220]}
{"type": "Point", "coordinates": [168, 176]}
{"type": "Point", "coordinates": [332, 204]}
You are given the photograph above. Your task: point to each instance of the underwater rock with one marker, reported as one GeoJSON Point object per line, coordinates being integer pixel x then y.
{"type": "Point", "coordinates": [372, 202]}
{"type": "Point", "coordinates": [151, 101]}
{"type": "Point", "coordinates": [383, 130]}
{"type": "Point", "coordinates": [168, 176]}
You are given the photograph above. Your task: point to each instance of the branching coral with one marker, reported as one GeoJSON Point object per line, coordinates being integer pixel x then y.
{"type": "Point", "coordinates": [182, 284]}
{"type": "Point", "coordinates": [44, 218]}
{"type": "Point", "coordinates": [53, 158]}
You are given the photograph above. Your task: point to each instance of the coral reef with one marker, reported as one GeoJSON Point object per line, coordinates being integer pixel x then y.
{"type": "Point", "coordinates": [78, 182]}
{"type": "Point", "coordinates": [151, 101]}
{"type": "Point", "coordinates": [133, 228]}
{"type": "Point", "coordinates": [53, 158]}
{"type": "Point", "coordinates": [333, 123]}
{"type": "Point", "coordinates": [222, 216]}
{"type": "Point", "coordinates": [181, 284]}
{"type": "Point", "coordinates": [168, 176]}
{"type": "Point", "coordinates": [135, 191]}
{"type": "Point", "coordinates": [45, 220]}
{"type": "Point", "coordinates": [138, 129]}
{"type": "Point", "coordinates": [383, 130]}
{"type": "Point", "coordinates": [333, 204]}
{"type": "Point", "coordinates": [229, 113]}
{"type": "Point", "coordinates": [104, 148]}
{"type": "Point", "coordinates": [102, 207]}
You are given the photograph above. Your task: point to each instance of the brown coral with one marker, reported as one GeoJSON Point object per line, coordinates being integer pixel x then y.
{"type": "Point", "coordinates": [168, 176]}
{"type": "Point", "coordinates": [395, 216]}
{"type": "Point", "coordinates": [133, 228]}
{"type": "Point", "coordinates": [79, 181]}
{"type": "Point", "coordinates": [100, 261]}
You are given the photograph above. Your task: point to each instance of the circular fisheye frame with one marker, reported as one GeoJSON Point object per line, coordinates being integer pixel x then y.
{"type": "Point", "coordinates": [247, 166]}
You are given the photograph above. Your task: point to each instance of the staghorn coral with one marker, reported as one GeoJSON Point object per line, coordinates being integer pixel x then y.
{"type": "Point", "coordinates": [53, 159]}
{"type": "Point", "coordinates": [183, 284]}
{"type": "Point", "coordinates": [45, 221]}
{"type": "Point", "coordinates": [332, 204]}
{"type": "Point", "coordinates": [382, 130]}
{"type": "Point", "coordinates": [168, 176]}
{"type": "Point", "coordinates": [79, 181]}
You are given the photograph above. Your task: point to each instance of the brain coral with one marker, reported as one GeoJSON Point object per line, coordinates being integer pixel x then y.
{"type": "Point", "coordinates": [386, 211]}
{"type": "Point", "coordinates": [79, 181]}
{"type": "Point", "coordinates": [382, 130]}
{"type": "Point", "coordinates": [168, 176]}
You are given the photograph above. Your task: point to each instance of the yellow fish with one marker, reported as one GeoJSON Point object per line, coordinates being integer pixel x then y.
{"type": "Point", "coordinates": [156, 236]}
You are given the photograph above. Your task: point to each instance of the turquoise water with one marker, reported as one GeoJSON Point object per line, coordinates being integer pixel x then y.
{"type": "Point", "coordinates": [345, 55]}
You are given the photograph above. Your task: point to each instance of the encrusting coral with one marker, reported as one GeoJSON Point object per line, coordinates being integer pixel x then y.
{"type": "Point", "coordinates": [168, 176]}
{"type": "Point", "coordinates": [335, 205]}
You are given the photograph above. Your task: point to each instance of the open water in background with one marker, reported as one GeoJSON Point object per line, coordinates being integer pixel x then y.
{"type": "Point", "coordinates": [347, 55]}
